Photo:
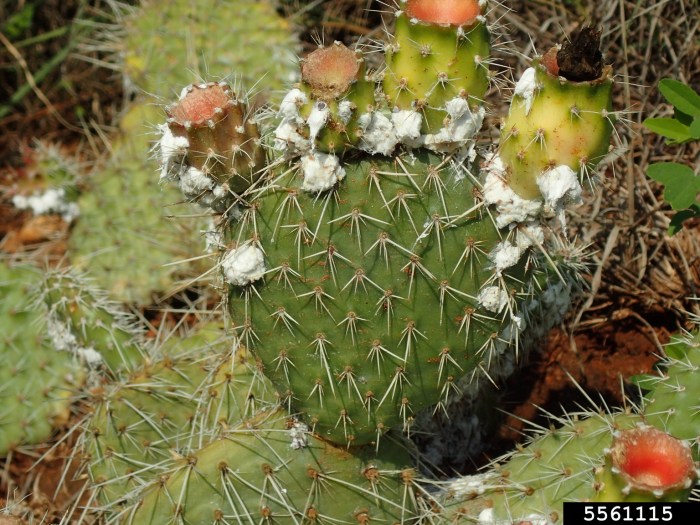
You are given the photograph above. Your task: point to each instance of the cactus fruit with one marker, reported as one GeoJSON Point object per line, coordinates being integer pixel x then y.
{"type": "Point", "coordinates": [269, 468]}
{"type": "Point", "coordinates": [221, 143]}
{"type": "Point", "coordinates": [438, 55]}
{"type": "Point", "coordinates": [557, 127]}
{"type": "Point", "coordinates": [646, 464]}
{"type": "Point", "coordinates": [380, 264]}
{"type": "Point", "coordinates": [333, 96]}
{"type": "Point", "coordinates": [124, 242]}
{"type": "Point", "coordinates": [38, 381]}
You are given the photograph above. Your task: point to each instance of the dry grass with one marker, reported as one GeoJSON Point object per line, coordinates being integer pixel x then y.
{"type": "Point", "coordinates": [57, 81]}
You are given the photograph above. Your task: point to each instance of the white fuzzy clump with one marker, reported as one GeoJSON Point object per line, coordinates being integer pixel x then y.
{"type": "Point", "coordinates": [172, 152]}
{"type": "Point", "coordinates": [299, 434]}
{"type": "Point", "coordinates": [53, 200]}
{"type": "Point", "coordinates": [243, 265]}
{"type": "Point", "coordinates": [64, 340]}
{"type": "Point", "coordinates": [526, 87]}
{"type": "Point", "coordinates": [321, 171]}
{"type": "Point", "coordinates": [292, 101]}
{"type": "Point", "coordinates": [193, 182]}
{"type": "Point", "coordinates": [493, 298]}
{"type": "Point", "coordinates": [505, 255]}
{"type": "Point", "coordinates": [378, 133]}
{"type": "Point", "coordinates": [345, 111]}
{"type": "Point", "coordinates": [474, 484]}
{"type": "Point", "coordinates": [317, 119]}
{"type": "Point", "coordinates": [287, 137]}
{"type": "Point", "coordinates": [407, 124]}
{"type": "Point", "coordinates": [559, 187]}
{"type": "Point", "coordinates": [529, 234]}
{"type": "Point", "coordinates": [461, 127]}
{"type": "Point", "coordinates": [511, 207]}
{"type": "Point", "coordinates": [486, 517]}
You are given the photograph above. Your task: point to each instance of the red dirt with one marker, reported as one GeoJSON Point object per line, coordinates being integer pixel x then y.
{"type": "Point", "coordinates": [602, 359]}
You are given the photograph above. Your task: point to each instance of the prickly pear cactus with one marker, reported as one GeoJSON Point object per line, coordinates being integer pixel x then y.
{"type": "Point", "coordinates": [84, 320]}
{"type": "Point", "coordinates": [270, 468]}
{"type": "Point", "coordinates": [673, 400]}
{"type": "Point", "coordinates": [381, 263]}
{"type": "Point", "coordinates": [199, 385]}
{"type": "Point", "coordinates": [39, 379]}
{"type": "Point", "coordinates": [125, 242]}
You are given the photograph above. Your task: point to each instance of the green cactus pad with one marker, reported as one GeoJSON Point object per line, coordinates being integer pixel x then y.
{"type": "Point", "coordinates": [554, 122]}
{"type": "Point", "coordinates": [532, 483]}
{"type": "Point", "coordinates": [180, 42]}
{"type": "Point", "coordinates": [673, 403]}
{"type": "Point", "coordinates": [269, 469]}
{"type": "Point", "coordinates": [168, 408]}
{"type": "Point", "coordinates": [38, 382]}
{"type": "Point", "coordinates": [369, 302]}
{"type": "Point", "coordinates": [95, 325]}
{"type": "Point", "coordinates": [583, 459]}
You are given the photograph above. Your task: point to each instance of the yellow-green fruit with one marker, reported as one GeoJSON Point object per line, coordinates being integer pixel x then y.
{"type": "Point", "coordinates": [552, 122]}
{"type": "Point", "coordinates": [433, 60]}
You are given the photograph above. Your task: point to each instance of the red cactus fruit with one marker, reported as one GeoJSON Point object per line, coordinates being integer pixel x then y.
{"type": "Point", "coordinates": [651, 460]}
{"type": "Point", "coordinates": [330, 71]}
{"type": "Point", "coordinates": [453, 12]}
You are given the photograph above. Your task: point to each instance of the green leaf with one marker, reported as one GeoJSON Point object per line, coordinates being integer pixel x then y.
{"type": "Point", "coordinates": [681, 186]}
{"type": "Point", "coordinates": [679, 218]}
{"type": "Point", "coordinates": [19, 23]}
{"type": "Point", "coordinates": [683, 118]}
{"type": "Point", "coordinates": [695, 128]}
{"type": "Point", "coordinates": [681, 96]}
{"type": "Point", "coordinates": [670, 128]}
